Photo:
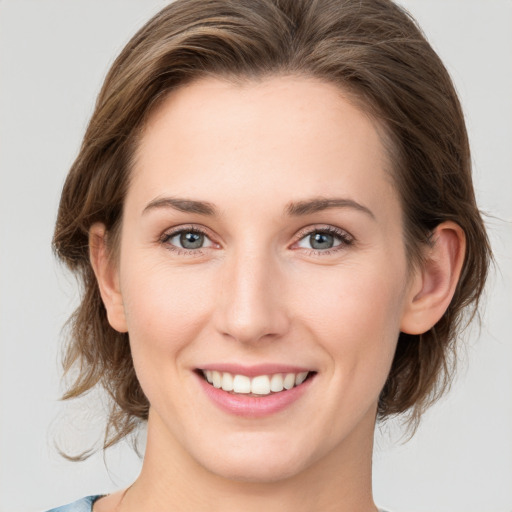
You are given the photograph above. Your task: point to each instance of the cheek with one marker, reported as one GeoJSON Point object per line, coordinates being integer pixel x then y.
{"type": "Point", "coordinates": [356, 316]}
{"type": "Point", "coordinates": [358, 330]}
{"type": "Point", "coordinates": [165, 311]}
{"type": "Point", "coordinates": [165, 308]}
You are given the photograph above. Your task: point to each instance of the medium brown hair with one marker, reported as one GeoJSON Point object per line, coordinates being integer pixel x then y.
{"type": "Point", "coordinates": [374, 51]}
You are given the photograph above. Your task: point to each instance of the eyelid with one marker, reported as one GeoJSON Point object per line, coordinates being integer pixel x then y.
{"type": "Point", "coordinates": [344, 236]}
{"type": "Point", "coordinates": [188, 228]}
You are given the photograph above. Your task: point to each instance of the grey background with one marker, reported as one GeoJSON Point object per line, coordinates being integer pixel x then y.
{"type": "Point", "coordinates": [53, 56]}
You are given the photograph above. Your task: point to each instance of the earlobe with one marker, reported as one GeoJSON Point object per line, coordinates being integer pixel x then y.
{"type": "Point", "coordinates": [107, 277]}
{"type": "Point", "coordinates": [433, 285]}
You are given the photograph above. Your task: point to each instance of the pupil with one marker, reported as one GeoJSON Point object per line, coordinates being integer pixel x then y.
{"type": "Point", "coordinates": [321, 241]}
{"type": "Point", "coordinates": [190, 240]}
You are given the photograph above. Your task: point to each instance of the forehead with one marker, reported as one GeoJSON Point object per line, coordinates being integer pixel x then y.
{"type": "Point", "coordinates": [283, 133]}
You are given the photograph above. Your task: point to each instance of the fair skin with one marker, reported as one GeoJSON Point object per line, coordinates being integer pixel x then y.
{"type": "Point", "coordinates": [262, 282]}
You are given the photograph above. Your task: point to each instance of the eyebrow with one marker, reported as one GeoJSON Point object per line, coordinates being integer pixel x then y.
{"type": "Point", "coordinates": [183, 205]}
{"type": "Point", "coordinates": [319, 204]}
{"type": "Point", "coordinates": [293, 209]}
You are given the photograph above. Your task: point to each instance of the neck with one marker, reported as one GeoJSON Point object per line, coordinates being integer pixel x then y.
{"type": "Point", "coordinates": [171, 480]}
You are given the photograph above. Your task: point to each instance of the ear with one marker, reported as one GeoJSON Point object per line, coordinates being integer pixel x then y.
{"type": "Point", "coordinates": [434, 283]}
{"type": "Point", "coordinates": [107, 276]}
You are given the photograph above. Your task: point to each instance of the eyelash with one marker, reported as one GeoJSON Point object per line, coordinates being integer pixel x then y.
{"type": "Point", "coordinates": [344, 238]}
{"type": "Point", "coordinates": [180, 250]}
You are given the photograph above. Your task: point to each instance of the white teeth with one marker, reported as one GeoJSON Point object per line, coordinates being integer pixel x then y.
{"type": "Point", "coordinates": [289, 381]}
{"type": "Point", "coordinates": [276, 383]}
{"type": "Point", "coordinates": [241, 384]}
{"type": "Point", "coordinates": [217, 379]}
{"type": "Point", "coordinates": [227, 381]}
{"type": "Point", "coordinates": [259, 385]}
{"type": "Point", "coordinates": [301, 377]}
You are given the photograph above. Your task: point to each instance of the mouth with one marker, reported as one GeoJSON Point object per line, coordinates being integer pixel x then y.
{"type": "Point", "coordinates": [257, 391]}
{"type": "Point", "coordinates": [255, 386]}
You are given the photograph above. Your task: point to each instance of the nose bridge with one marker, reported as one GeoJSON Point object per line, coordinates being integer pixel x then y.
{"type": "Point", "coordinates": [251, 307]}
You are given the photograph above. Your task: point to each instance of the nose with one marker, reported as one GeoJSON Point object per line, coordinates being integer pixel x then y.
{"type": "Point", "coordinates": [252, 305]}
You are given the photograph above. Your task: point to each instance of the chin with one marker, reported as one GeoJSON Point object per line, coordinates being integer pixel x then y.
{"type": "Point", "coordinates": [254, 471]}
{"type": "Point", "coordinates": [256, 460]}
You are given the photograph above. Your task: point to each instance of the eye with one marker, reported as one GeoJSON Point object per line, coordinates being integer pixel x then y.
{"type": "Point", "coordinates": [325, 239]}
{"type": "Point", "coordinates": [190, 239]}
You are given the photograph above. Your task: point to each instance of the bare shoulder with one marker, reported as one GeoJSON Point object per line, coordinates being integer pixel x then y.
{"type": "Point", "coordinates": [109, 503]}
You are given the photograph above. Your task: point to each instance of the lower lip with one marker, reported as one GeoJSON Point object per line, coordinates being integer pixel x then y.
{"type": "Point", "coordinates": [254, 406]}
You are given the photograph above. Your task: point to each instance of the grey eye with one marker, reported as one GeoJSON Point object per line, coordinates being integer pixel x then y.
{"type": "Point", "coordinates": [188, 239]}
{"type": "Point", "coordinates": [321, 241]}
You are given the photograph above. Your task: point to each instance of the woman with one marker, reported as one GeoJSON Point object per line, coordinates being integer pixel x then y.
{"type": "Point", "coordinates": [273, 216]}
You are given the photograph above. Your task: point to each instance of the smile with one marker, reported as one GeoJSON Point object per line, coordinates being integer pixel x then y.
{"type": "Point", "coordinates": [255, 391]}
{"type": "Point", "coordinates": [259, 385]}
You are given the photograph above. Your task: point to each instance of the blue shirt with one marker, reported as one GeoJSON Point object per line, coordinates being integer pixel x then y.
{"type": "Point", "coordinates": [83, 505]}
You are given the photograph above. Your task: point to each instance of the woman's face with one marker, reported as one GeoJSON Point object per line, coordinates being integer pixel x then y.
{"type": "Point", "coordinates": [262, 239]}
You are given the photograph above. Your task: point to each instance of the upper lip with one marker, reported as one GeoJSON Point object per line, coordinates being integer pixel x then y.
{"type": "Point", "coordinates": [255, 370]}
